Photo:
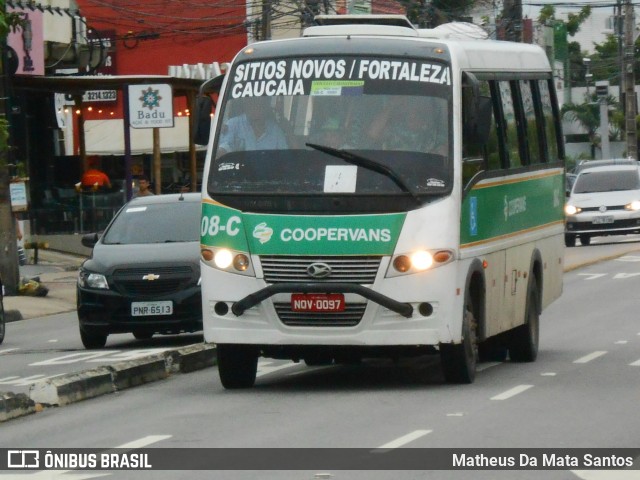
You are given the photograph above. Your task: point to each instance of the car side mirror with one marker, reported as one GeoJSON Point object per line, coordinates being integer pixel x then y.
{"type": "Point", "coordinates": [90, 239]}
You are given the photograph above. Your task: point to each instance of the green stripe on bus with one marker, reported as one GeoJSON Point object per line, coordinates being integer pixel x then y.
{"type": "Point", "coordinates": [263, 234]}
{"type": "Point", "coordinates": [503, 208]}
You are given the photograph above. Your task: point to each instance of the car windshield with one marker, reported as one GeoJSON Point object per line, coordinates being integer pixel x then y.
{"type": "Point", "coordinates": [284, 137]}
{"type": "Point", "coordinates": [607, 181]}
{"type": "Point", "coordinates": [178, 221]}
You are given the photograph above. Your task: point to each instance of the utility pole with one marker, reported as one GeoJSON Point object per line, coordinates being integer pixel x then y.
{"type": "Point", "coordinates": [630, 81]}
{"type": "Point", "coordinates": [265, 30]}
{"type": "Point", "coordinates": [9, 271]}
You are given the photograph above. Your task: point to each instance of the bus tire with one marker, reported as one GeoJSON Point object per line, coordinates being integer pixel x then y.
{"type": "Point", "coordinates": [459, 360]}
{"type": "Point", "coordinates": [318, 359]}
{"type": "Point", "coordinates": [237, 366]}
{"type": "Point", "coordinates": [492, 350]}
{"type": "Point", "coordinates": [569, 240]}
{"type": "Point", "coordinates": [523, 340]}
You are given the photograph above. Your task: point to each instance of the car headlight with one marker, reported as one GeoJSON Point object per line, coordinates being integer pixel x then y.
{"type": "Point", "coordinates": [571, 209]}
{"type": "Point", "coordinates": [92, 280]}
{"type": "Point", "coordinates": [418, 261]}
{"type": "Point", "coordinates": [228, 260]}
{"type": "Point", "coordinates": [633, 206]}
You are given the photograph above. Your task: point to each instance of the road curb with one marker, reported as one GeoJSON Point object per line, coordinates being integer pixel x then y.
{"type": "Point", "coordinates": [15, 405]}
{"type": "Point", "coordinates": [75, 387]}
{"type": "Point", "coordinates": [12, 315]}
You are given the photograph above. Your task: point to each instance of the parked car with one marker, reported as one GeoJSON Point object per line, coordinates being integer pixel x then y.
{"type": "Point", "coordinates": [602, 163]}
{"type": "Point", "coordinates": [143, 276]}
{"type": "Point", "coordinates": [604, 200]}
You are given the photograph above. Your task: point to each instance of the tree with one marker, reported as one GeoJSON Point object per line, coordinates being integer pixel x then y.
{"type": "Point", "coordinates": [587, 115]}
{"type": "Point", "coordinates": [9, 271]}
{"type": "Point", "coordinates": [431, 13]}
{"type": "Point", "coordinates": [575, 67]}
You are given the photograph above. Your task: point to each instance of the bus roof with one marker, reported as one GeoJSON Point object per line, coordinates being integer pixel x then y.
{"type": "Point", "coordinates": [467, 42]}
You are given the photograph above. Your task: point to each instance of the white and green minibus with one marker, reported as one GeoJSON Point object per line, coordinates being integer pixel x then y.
{"type": "Point", "coordinates": [376, 190]}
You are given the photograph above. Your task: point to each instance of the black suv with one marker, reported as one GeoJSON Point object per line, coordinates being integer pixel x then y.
{"type": "Point", "coordinates": [143, 276]}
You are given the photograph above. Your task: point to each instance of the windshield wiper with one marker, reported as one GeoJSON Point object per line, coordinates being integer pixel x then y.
{"type": "Point", "coordinates": [367, 163]}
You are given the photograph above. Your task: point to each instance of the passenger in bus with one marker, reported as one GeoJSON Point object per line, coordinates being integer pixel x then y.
{"type": "Point", "coordinates": [255, 129]}
{"type": "Point", "coordinates": [408, 124]}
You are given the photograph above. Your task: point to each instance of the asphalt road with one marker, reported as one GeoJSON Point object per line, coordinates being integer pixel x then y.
{"type": "Point", "coordinates": [581, 393]}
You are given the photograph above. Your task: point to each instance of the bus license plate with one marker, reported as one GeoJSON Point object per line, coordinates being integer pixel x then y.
{"type": "Point", "coordinates": [601, 220]}
{"type": "Point", "coordinates": [317, 302]}
{"type": "Point", "coordinates": [143, 309]}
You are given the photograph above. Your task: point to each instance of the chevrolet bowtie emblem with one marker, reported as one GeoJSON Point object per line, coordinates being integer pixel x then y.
{"type": "Point", "coordinates": [151, 277]}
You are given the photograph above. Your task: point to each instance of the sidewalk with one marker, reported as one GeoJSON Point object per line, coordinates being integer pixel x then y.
{"type": "Point", "coordinates": [58, 272]}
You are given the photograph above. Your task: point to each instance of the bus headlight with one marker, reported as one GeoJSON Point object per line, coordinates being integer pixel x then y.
{"type": "Point", "coordinates": [418, 261]}
{"type": "Point", "coordinates": [572, 209]}
{"type": "Point", "coordinates": [228, 260]}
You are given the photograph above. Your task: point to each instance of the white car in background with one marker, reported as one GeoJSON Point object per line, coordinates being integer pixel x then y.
{"type": "Point", "coordinates": [604, 201]}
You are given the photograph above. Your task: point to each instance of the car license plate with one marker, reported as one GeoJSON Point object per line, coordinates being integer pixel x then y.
{"type": "Point", "coordinates": [143, 309]}
{"type": "Point", "coordinates": [317, 302]}
{"type": "Point", "coordinates": [605, 219]}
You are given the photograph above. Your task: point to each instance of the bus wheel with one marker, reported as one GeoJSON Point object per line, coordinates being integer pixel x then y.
{"type": "Point", "coordinates": [585, 240]}
{"type": "Point", "coordinates": [237, 366]}
{"type": "Point", "coordinates": [523, 340]}
{"type": "Point", "coordinates": [569, 240]}
{"type": "Point", "coordinates": [318, 359]}
{"type": "Point", "coordinates": [492, 350]}
{"type": "Point", "coordinates": [459, 361]}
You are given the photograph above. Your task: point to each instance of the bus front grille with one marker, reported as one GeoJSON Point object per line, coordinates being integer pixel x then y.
{"type": "Point", "coordinates": [350, 317]}
{"type": "Point", "coordinates": [290, 268]}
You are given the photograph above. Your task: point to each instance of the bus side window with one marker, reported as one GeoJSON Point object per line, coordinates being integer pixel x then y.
{"type": "Point", "coordinates": [478, 157]}
{"type": "Point", "coordinates": [551, 129]}
{"type": "Point", "coordinates": [532, 124]}
{"type": "Point", "coordinates": [510, 125]}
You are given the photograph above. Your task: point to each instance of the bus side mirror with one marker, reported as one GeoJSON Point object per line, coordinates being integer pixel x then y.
{"type": "Point", "coordinates": [204, 110]}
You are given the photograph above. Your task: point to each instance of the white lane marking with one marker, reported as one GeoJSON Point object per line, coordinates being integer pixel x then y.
{"type": "Point", "coordinates": [53, 340]}
{"type": "Point", "coordinates": [622, 342]}
{"type": "Point", "coordinates": [591, 356]}
{"type": "Point", "coordinates": [409, 437]}
{"type": "Point", "coordinates": [457, 414]}
{"type": "Point", "coordinates": [75, 475]}
{"type": "Point", "coordinates": [607, 474]}
{"type": "Point", "coordinates": [548, 374]}
{"type": "Point", "coordinates": [262, 370]}
{"type": "Point", "coordinates": [592, 276]}
{"type": "Point", "coordinates": [635, 364]}
{"type": "Point", "coordinates": [25, 381]}
{"type": "Point", "coordinates": [486, 366]}
{"type": "Point", "coordinates": [7, 350]}
{"type": "Point", "coordinates": [628, 258]}
{"type": "Point", "coordinates": [511, 392]}
{"type": "Point", "coordinates": [144, 441]}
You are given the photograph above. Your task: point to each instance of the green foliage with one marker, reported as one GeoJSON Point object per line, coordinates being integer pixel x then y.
{"type": "Point", "coordinates": [431, 13]}
{"type": "Point", "coordinates": [547, 16]}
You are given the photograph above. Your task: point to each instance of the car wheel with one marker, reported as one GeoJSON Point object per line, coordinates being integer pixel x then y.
{"type": "Point", "coordinates": [569, 240]}
{"type": "Point", "coordinates": [459, 361]}
{"type": "Point", "coordinates": [237, 366]}
{"type": "Point", "coordinates": [2, 320]}
{"type": "Point", "coordinates": [92, 340]}
{"type": "Point", "coordinates": [142, 335]}
{"type": "Point", "coordinates": [585, 240]}
{"type": "Point", "coordinates": [523, 340]}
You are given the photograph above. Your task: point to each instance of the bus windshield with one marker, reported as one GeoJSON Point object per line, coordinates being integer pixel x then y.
{"type": "Point", "coordinates": [293, 136]}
